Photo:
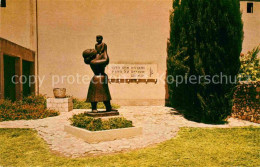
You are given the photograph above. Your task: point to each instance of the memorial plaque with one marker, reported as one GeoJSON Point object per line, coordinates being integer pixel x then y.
{"type": "Point", "coordinates": [132, 71]}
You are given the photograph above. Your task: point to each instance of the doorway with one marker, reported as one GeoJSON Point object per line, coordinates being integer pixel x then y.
{"type": "Point", "coordinates": [9, 72]}
{"type": "Point", "coordinates": [27, 72]}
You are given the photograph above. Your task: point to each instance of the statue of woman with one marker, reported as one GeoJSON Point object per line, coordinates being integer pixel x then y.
{"type": "Point", "coordinates": [98, 89]}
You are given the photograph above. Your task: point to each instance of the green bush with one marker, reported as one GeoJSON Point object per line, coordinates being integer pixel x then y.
{"type": "Point", "coordinates": [35, 100]}
{"type": "Point", "coordinates": [97, 124]}
{"type": "Point", "coordinates": [79, 104]}
{"type": "Point", "coordinates": [205, 40]}
{"type": "Point", "coordinates": [31, 107]}
{"type": "Point", "coordinates": [250, 68]}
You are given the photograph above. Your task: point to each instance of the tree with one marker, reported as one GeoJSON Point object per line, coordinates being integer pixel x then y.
{"type": "Point", "coordinates": [206, 40]}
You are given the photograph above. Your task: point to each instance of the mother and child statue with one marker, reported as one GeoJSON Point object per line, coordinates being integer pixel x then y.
{"type": "Point", "coordinates": [98, 89]}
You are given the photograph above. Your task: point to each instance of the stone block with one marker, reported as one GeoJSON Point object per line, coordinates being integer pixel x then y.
{"type": "Point", "coordinates": [65, 105]}
{"type": "Point", "coordinates": [49, 105]}
{"type": "Point", "coordinates": [60, 104]}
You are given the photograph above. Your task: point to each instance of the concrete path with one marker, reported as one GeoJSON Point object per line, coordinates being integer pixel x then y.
{"type": "Point", "coordinates": [159, 124]}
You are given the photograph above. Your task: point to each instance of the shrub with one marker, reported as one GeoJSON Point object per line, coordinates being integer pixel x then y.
{"type": "Point", "coordinates": [79, 104]}
{"type": "Point", "coordinates": [96, 124]}
{"type": "Point", "coordinates": [118, 122]}
{"type": "Point", "coordinates": [32, 107]}
{"type": "Point", "coordinates": [35, 100]}
{"type": "Point", "coordinates": [205, 40]}
{"type": "Point", "coordinates": [250, 68]}
{"type": "Point", "coordinates": [247, 101]}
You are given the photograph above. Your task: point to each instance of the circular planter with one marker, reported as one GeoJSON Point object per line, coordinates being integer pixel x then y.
{"type": "Point", "coordinates": [59, 92]}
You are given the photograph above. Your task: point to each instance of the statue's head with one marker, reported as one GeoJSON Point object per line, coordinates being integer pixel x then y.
{"type": "Point", "coordinates": [99, 39]}
{"type": "Point", "coordinates": [89, 55]}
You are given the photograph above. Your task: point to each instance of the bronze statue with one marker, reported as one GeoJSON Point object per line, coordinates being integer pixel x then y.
{"type": "Point", "coordinates": [98, 89]}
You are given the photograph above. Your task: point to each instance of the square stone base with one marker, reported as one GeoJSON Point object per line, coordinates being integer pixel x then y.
{"type": "Point", "coordinates": [60, 104]}
{"type": "Point", "coordinates": [104, 135]}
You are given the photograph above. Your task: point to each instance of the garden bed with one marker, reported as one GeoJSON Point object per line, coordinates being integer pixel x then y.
{"type": "Point", "coordinates": [94, 130]}
{"type": "Point", "coordinates": [31, 107]}
{"type": "Point", "coordinates": [104, 135]}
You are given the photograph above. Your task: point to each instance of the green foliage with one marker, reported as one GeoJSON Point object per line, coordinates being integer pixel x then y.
{"type": "Point", "coordinates": [250, 68]}
{"type": "Point", "coordinates": [206, 39]}
{"type": "Point", "coordinates": [247, 102]}
{"type": "Point", "coordinates": [97, 124]}
{"type": "Point", "coordinates": [31, 107]}
{"type": "Point", "coordinates": [79, 104]}
{"type": "Point", "coordinates": [39, 100]}
{"type": "Point", "coordinates": [116, 123]}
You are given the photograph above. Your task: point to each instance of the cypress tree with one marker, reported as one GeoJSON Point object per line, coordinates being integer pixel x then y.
{"type": "Point", "coordinates": [206, 40]}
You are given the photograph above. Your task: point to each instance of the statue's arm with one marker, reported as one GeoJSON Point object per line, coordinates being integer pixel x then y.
{"type": "Point", "coordinates": [95, 46]}
{"type": "Point", "coordinates": [104, 60]}
{"type": "Point", "coordinates": [100, 61]}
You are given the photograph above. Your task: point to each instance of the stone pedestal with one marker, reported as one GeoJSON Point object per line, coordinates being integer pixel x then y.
{"type": "Point", "coordinates": [60, 104]}
{"type": "Point", "coordinates": [102, 114]}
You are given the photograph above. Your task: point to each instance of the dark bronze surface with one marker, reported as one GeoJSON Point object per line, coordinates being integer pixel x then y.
{"type": "Point", "coordinates": [98, 89]}
{"type": "Point", "coordinates": [102, 113]}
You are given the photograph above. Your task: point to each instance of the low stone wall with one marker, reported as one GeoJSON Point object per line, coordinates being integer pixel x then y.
{"type": "Point", "coordinates": [247, 102]}
{"type": "Point", "coordinates": [103, 135]}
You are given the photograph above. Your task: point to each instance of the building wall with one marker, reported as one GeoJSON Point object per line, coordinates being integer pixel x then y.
{"type": "Point", "coordinates": [135, 31]}
{"type": "Point", "coordinates": [17, 23]}
{"type": "Point", "coordinates": [251, 25]}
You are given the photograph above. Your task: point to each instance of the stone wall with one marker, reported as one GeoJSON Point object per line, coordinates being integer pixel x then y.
{"type": "Point", "coordinates": [247, 102]}
{"type": "Point", "coordinates": [135, 32]}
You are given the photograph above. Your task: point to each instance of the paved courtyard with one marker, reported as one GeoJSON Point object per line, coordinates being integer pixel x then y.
{"type": "Point", "coordinates": [159, 124]}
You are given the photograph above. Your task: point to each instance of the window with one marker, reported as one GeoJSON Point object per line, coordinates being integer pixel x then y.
{"type": "Point", "coordinates": [2, 3]}
{"type": "Point", "coordinates": [250, 7]}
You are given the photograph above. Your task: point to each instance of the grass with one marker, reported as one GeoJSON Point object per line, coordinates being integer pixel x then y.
{"type": "Point", "coordinates": [192, 147]}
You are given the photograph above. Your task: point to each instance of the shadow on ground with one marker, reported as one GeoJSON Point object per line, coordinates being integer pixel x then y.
{"type": "Point", "coordinates": [190, 117]}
